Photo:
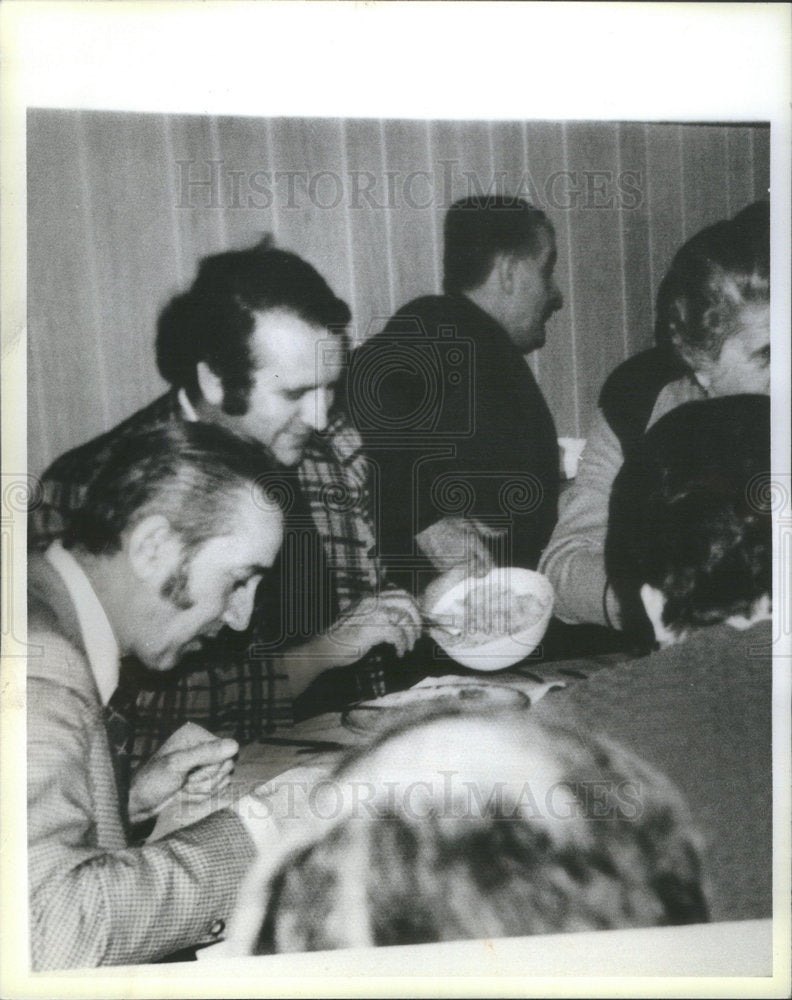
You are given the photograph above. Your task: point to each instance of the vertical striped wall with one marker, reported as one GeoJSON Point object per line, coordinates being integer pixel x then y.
{"type": "Point", "coordinates": [122, 206]}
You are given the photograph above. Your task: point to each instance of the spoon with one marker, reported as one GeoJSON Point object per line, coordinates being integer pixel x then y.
{"type": "Point", "coordinates": [437, 623]}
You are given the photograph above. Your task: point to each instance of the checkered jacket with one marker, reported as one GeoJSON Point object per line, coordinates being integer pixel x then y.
{"type": "Point", "coordinates": [232, 687]}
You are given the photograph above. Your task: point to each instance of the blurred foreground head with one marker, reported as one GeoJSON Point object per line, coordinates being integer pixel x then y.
{"type": "Point", "coordinates": [690, 532]}
{"type": "Point", "coordinates": [478, 826]}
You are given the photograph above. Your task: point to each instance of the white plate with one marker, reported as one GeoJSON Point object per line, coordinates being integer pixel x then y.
{"type": "Point", "coordinates": [417, 703]}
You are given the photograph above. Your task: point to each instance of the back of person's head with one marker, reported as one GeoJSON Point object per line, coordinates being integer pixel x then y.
{"type": "Point", "coordinates": [190, 473]}
{"type": "Point", "coordinates": [716, 274]}
{"type": "Point", "coordinates": [213, 320]}
{"type": "Point", "coordinates": [474, 826]}
{"type": "Point", "coordinates": [752, 223]}
{"type": "Point", "coordinates": [690, 515]}
{"type": "Point", "coordinates": [480, 227]}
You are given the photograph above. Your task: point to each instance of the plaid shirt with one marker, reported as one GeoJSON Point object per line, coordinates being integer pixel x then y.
{"type": "Point", "coordinates": [237, 685]}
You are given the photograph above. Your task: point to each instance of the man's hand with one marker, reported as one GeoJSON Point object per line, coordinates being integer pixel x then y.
{"type": "Point", "coordinates": [391, 616]}
{"type": "Point", "coordinates": [441, 585]}
{"type": "Point", "coordinates": [201, 770]}
{"type": "Point", "coordinates": [281, 808]}
{"type": "Point", "coordinates": [457, 542]}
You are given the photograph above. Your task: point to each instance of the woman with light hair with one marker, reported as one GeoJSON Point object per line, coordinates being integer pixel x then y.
{"type": "Point", "coordinates": [712, 335]}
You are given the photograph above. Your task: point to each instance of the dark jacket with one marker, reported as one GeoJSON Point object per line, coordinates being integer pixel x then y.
{"type": "Point", "coordinates": [700, 712]}
{"type": "Point", "coordinates": [455, 424]}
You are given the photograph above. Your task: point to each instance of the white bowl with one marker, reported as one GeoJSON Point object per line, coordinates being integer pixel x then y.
{"type": "Point", "coordinates": [480, 649]}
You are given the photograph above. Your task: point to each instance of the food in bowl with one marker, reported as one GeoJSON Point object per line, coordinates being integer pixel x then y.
{"type": "Point", "coordinates": [494, 621]}
{"type": "Point", "coordinates": [486, 611]}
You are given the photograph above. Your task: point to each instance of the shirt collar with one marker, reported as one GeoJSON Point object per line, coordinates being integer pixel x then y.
{"type": "Point", "coordinates": [186, 406]}
{"type": "Point", "coordinates": [101, 646]}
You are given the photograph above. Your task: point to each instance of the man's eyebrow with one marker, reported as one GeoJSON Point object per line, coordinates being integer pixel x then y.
{"type": "Point", "coordinates": [299, 390]}
{"type": "Point", "coordinates": [764, 349]}
{"type": "Point", "coordinates": [254, 569]}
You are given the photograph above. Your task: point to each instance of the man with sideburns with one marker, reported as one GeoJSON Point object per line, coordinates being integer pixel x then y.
{"type": "Point", "coordinates": [175, 532]}
{"type": "Point", "coordinates": [257, 345]}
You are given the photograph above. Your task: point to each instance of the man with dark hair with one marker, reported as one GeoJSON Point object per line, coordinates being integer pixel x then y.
{"type": "Point", "coordinates": [209, 337]}
{"type": "Point", "coordinates": [712, 333]}
{"type": "Point", "coordinates": [690, 544]}
{"type": "Point", "coordinates": [174, 534]}
{"type": "Point", "coordinates": [689, 529]}
{"type": "Point", "coordinates": [463, 442]}
{"type": "Point", "coordinates": [257, 345]}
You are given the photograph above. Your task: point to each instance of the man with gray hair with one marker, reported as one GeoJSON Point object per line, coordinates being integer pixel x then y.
{"type": "Point", "coordinates": [176, 531]}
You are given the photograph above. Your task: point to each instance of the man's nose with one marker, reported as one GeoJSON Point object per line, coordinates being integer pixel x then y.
{"type": "Point", "coordinates": [240, 606]}
{"type": "Point", "coordinates": [557, 299]}
{"type": "Point", "coordinates": [315, 407]}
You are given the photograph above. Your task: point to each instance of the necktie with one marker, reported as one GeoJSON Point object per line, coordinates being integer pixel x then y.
{"type": "Point", "coordinates": [119, 720]}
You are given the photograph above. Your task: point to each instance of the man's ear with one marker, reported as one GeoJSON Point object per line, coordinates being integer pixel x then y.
{"type": "Point", "coordinates": [503, 268]}
{"type": "Point", "coordinates": [210, 384]}
{"type": "Point", "coordinates": [154, 549]}
{"type": "Point", "coordinates": [654, 603]}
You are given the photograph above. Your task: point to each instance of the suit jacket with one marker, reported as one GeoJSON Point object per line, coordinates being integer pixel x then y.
{"type": "Point", "coordinates": [94, 899]}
